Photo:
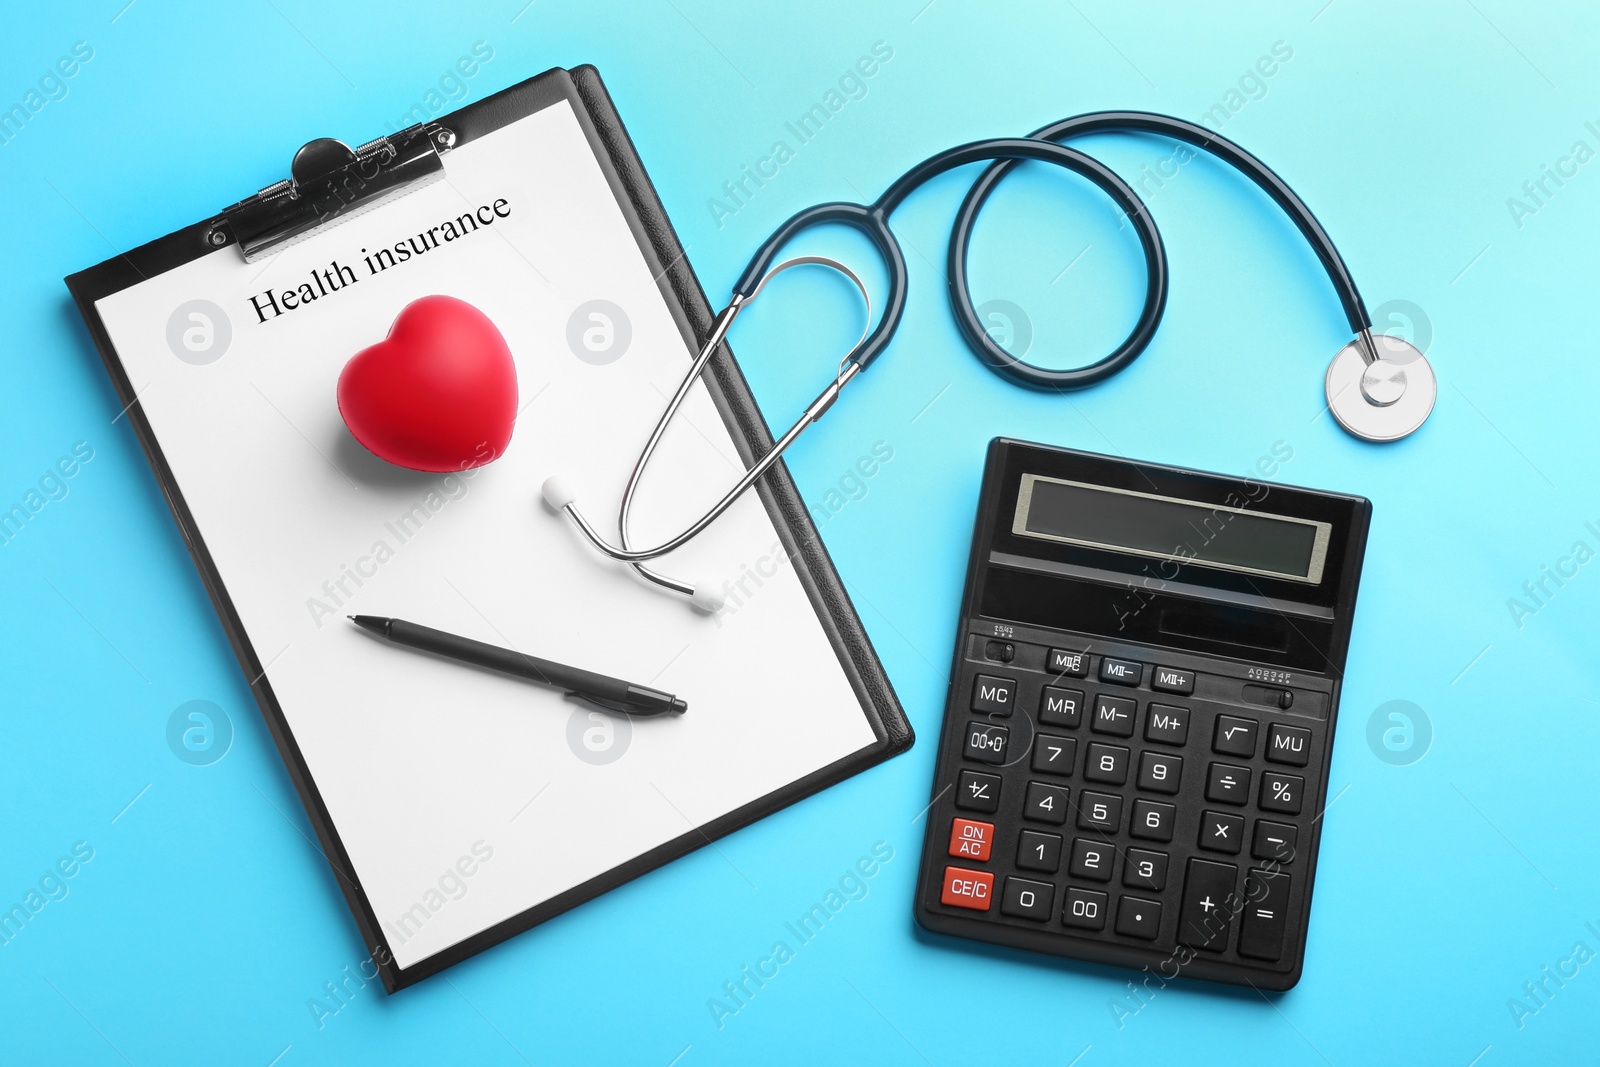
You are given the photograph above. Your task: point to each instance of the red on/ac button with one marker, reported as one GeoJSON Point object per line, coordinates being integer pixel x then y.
{"type": "Point", "coordinates": [967, 889]}
{"type": "Point", "coordinates": [971, 840]}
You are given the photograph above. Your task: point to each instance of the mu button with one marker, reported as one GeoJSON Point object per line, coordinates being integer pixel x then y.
{"type": "Point", "coordinates": [967, 889]}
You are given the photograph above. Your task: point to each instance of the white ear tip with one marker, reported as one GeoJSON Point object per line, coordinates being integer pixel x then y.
{"type": "Point", "coordinates": [557, 493]}
{"type": "Point", "coordinates": [707, 598]}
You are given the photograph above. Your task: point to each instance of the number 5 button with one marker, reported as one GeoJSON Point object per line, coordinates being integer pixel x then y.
{"type": "Point", "coordinates": [1281, 792]}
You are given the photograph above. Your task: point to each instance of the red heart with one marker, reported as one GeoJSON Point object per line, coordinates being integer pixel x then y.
{"type": "Point", "coordinates": [438, 394]}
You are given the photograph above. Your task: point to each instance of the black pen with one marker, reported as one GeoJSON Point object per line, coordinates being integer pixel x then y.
{"type": "Point", "coordinates": [613, 694]}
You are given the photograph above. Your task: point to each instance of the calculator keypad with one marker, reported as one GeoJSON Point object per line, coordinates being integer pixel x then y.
{"type": "Point", "coordinates": [1150, 804]}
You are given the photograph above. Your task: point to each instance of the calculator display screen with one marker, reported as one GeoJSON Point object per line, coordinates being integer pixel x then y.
{"type": "Point", "coordinates": [1213, 535]}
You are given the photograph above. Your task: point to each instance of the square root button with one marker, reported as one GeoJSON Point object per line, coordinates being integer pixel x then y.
{"type": "Point", "coordinates": [967, 889]}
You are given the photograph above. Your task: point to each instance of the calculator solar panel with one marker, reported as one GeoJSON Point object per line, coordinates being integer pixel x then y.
{"type": "Point", "coordinates": [1134, 758]}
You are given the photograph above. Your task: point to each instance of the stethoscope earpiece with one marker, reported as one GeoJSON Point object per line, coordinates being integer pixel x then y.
{"type": "Point", "coordinates": [1380, 388]}
{"type": "Point", "coordinates": [704, 595]}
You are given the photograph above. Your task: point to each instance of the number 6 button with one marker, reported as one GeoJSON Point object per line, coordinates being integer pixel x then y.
{"type": "Point", "coordinates": [1281, 792]}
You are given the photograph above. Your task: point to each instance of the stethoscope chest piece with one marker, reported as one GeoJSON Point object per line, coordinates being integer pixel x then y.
{"type": "Point", "coordinates": [1383, 398]}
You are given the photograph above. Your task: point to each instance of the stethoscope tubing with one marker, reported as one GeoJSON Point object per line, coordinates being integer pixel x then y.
{"type": "Point", "coordinates": [1003, 155]}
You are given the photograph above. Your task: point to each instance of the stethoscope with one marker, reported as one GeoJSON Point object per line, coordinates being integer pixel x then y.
{"type": "Point", "coordinates": [1379, 387]}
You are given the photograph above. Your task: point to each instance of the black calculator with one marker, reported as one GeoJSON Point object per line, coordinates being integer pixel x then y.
{"type": "Point", "coordinates": [1134, 758]}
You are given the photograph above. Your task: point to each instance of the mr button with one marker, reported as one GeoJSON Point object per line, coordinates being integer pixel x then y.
{"type": "Point", "coordinates": [967, 889]}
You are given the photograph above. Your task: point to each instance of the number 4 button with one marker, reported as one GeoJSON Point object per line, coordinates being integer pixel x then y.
{"type": "Point", "coordinates": [1046, 803]}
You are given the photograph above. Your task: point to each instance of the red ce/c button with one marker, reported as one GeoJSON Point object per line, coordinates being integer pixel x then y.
{"type": "Point", "coordinates": [967, 889]}
{"type": "Point", "coordinates": [971, 840]}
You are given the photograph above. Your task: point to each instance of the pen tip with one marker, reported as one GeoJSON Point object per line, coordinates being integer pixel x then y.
{"type": "Point", "coordinates": [679, 705]}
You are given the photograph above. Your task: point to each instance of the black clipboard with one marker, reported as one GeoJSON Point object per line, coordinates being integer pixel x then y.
{"type": "Point", "coordinates": [323, 168]}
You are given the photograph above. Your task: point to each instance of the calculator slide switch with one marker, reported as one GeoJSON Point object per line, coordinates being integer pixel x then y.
{"type": "Point", "coordinates": [967, 889]}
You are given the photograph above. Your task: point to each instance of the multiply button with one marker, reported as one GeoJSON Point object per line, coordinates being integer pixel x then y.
{"type": "Point", "coordinates": [993, 696]}
{"type": "Point", "coordinates": [1220, 832]}
{"type": "Point", "coordinates": [1288, 744]}
{"type": "Point", "coordinates": [1121, 671]}
{"type": "Point", "coordinates": [1114, 715]}
{"type": "Point", "coordinates": [1206, 913]}
{"type": "Point", "coordinates": [1074, 664]}
{"type": "Point", "coordinates": [986, 742]}
{"type": "Point", "coordinates": [971, 840]}
{"type": "Point", "coordinates": [967, 889]}
{"type": "Point", "coordinates": [1172, 680]}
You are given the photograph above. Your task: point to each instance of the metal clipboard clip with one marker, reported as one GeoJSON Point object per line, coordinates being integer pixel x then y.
{"type": "Point", "coordinates": [330, 182]}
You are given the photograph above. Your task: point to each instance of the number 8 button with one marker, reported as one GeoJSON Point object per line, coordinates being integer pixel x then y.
{"type": "Point", "coordinates": [1281, 792]}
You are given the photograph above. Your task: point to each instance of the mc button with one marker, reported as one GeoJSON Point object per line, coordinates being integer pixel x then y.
{"type": "Point", "coordinates": [993, 696]}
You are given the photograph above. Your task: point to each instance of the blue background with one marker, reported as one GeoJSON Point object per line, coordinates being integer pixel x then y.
{"type": "Point", "coordinates": [207, 921]}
